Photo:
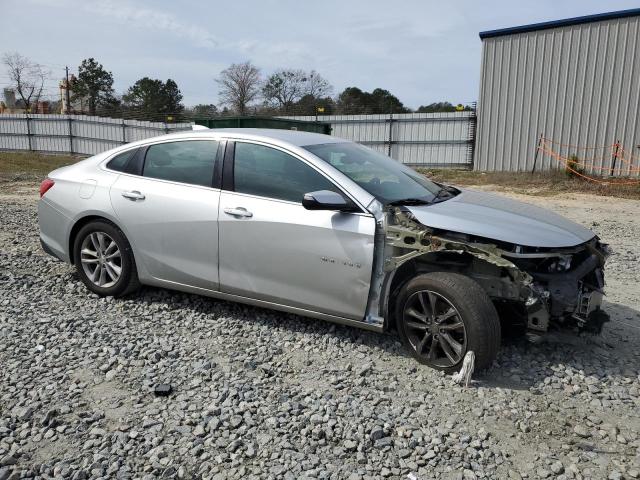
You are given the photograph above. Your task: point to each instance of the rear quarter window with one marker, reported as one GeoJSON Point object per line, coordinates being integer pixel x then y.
{"type": "Point", "coordinates": [119, 162]}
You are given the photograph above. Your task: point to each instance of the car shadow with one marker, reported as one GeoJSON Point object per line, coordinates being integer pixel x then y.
{"type": "Point", "coordinates": [387, 342]}
{"type": "Point", "coordinates": [521, 363]}
{"type": "Point", "coordinates": [524, 364]}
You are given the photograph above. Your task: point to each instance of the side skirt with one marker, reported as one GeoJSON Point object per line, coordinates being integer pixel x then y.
{"type": "Point", "coordinates": [264, 304]}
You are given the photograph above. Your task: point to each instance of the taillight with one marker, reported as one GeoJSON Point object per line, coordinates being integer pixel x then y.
{"type": "Point", "coordinates": [46, 184]}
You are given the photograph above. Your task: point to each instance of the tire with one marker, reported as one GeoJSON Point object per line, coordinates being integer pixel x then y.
{"type": "Point", "coordinates": [465, 319]}
{"type": "Point", "coordinates": [94, 249]}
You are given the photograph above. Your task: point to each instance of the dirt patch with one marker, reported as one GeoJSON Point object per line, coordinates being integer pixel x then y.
{"type": "Point", "coordinates": [546, 184]}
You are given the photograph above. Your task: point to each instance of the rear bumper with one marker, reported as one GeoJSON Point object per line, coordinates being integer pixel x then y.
{"type": "Point", "coordinates": [54, 228]}
{"type": "Point", "coordinates": [50, 251]}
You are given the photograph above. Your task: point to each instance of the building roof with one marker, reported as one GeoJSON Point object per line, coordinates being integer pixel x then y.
{"type": "Point", "coordinates": [560, 23]}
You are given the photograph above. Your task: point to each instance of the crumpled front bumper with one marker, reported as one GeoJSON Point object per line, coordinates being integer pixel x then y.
{"type": "Point", "coordinates": [573, 297]}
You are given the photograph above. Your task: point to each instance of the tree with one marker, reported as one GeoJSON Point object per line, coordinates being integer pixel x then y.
{"type": "Point", "coordinates": [309, 105]}
{"type": "Point", "coordinates": [354, 101]}
{"type": "Point", "coordinates": [27, 77]}
{"type": "Point", "coordinates": [172, 97]}
{"type": "Point", "coordinates": [317, 86]}
{"type": "Point", "coordinates": [442, 107]}
{"type": "Point", "coordinates": [239, 85]}
{"type": "Point", "coordinates": [204, 110]}
{"type": "Point", "coordinates": [153, 98]}
{"type": "Point", "coordinates": [94, 83]}
{"type": "Point", "coordinates": [383, 101]}
{"type": "Point", "coordinates": [110, 107]}
{"type": "Point", "coordinates": [286, 88]}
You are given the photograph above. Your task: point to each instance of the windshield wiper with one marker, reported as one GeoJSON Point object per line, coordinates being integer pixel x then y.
{"type": "Point", "coordinates": [450, 191]}
{"type": "Point", "coordinates": [439, 195]}
{"type": "Point", "coordinates": [409, 201]}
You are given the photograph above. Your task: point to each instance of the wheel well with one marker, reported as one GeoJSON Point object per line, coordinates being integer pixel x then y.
{"type": "Point", "coordinates": [76, 228]}
{"type": "Point", "coordinates": [429, 262]}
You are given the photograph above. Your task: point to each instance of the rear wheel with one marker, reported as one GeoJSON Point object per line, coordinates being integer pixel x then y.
{"type": "Point", "coordinates": [441, 316]}
{"type": "Point", "coordinates": [104, 260]}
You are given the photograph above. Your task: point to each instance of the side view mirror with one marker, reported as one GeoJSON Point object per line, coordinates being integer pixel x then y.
{"type": "Point", "coordinates": [327, 200]}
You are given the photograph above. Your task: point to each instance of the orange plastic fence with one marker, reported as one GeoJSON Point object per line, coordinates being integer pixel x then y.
{"type": "Point", "coordinates": [592, 166]}
{"type": "Point", "coordinates": [546, 146]}
{"type": "Point", "coordinates": [577, 147]}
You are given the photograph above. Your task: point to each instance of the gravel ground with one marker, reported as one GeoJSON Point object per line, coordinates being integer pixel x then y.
{"type": "Point", "coordinates": [259, 394]}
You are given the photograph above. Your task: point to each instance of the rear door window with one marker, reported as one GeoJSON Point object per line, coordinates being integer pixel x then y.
{"type": "Point", "coordinates": [267, 172]}
{"type": "Point", "coordinates": [189, 161]}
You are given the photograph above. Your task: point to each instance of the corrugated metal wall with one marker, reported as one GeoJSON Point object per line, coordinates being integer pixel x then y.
{"type": "Point", "coordinates": [76, 134]}
{"type": "Point", "coordinates": [577, 85]}
{"type": "Point", "coordinates": [419, 139]}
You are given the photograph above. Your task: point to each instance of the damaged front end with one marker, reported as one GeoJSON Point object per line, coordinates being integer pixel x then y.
{"type": "Point", "coordinates": [531, 286]}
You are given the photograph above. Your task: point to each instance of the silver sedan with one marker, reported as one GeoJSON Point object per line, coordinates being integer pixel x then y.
{"type": "Point", "coordinates": [324, 228]}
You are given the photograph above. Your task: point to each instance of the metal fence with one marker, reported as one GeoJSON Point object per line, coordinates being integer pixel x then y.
{"type": "Point", "coordinates": [76, 134]}
{"type": "Point", "coordinates": [438, 140]}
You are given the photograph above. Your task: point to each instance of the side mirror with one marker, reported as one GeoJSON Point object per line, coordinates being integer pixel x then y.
{"type": "Point", "coordinates": [327, 200]}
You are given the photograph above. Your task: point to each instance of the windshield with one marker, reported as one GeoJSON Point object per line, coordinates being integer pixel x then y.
{"type": "Point", "coordinates": [384, 178]}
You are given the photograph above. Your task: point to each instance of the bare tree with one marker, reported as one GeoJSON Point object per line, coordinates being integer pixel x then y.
{"type": "Point", "coordinates": [239, 86]}
{"type": "Point", "coordinates": [317, 86]}
{"type": "Point", "coordinates": [27, 77]}
{"type": "Point", "coordinates": [285, 87]}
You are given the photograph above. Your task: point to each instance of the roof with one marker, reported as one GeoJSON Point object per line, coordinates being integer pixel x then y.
{"type": "Point", "coordinates": [561, 23]}
{"type": "Point", "coordinates": [275, 136]}
{"type": "Point", "coordinates": [293, 137]}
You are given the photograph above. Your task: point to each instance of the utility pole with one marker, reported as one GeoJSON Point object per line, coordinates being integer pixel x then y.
{"type": "Point", "coordinates": [67, 97]}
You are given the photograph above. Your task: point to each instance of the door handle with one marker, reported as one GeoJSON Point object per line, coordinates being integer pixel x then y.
{"type": "Point", "coordinates": [133, 195]}
{"type": "Point", "coordinates": [238, 212]}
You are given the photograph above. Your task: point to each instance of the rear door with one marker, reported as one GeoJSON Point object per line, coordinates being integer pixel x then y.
{"type": "Point", "coordinates": [273, 249]}
{"type": "Point", "coordinates": [168, 204]}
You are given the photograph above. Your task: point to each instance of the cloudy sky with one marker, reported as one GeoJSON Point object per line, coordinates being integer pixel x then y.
{"type": "Point", "coordinates": [421, 50]}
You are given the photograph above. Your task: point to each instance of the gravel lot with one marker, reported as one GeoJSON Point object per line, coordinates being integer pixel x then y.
{"type": "Point", "coordinates": [260, 394]}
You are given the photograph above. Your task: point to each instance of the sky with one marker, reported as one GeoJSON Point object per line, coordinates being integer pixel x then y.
{"type": "Point", "coordinates": [423, 51]}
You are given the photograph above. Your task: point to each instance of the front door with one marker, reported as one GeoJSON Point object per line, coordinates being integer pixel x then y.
{"type": "Point", "coordinates": [170, 212]}
{"type": "Point", "coordinates": [273, 249]}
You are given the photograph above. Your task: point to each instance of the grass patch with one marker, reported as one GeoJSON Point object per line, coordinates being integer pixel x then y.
{"type": "Point", "coordinates": [31, 166]}
{"type": "Point", "coordinates": [24, 166]}
{"type": "Point", "coordinates": [542, 184]}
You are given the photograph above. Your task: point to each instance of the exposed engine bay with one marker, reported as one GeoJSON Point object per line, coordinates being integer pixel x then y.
{"type": "Point", "coordinates": [536, 288]}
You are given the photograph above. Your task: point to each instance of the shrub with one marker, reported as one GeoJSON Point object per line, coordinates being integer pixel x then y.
{"type": "Point", "coordinates": [572, 166]}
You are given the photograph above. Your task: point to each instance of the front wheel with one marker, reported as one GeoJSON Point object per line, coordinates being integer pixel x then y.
{"type": "Point", "coordinates": [104, 260]}
{"type": "Point", "coordinates": [441, 316]}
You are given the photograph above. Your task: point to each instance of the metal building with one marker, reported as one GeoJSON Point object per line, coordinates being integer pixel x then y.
{"type": "Point", "coordinates": [575, 81]}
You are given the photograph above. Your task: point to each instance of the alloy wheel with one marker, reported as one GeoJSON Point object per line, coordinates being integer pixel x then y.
{"type": "Point", "coordinates": [101, 259]}
{"type": "Point", "coordinates": [434, 328]}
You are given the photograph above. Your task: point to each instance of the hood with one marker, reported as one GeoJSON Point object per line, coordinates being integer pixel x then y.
{"type": "Point", "coordinates": [499, 218]}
